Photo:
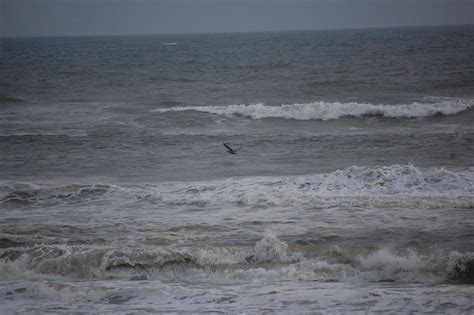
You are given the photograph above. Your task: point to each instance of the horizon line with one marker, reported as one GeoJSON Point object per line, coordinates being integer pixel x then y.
{"type": "Point", "coordinates": [237, 32]}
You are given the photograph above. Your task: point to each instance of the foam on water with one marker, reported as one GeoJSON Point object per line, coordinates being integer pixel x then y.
{"type": "Point", "coordinates": [277, 297]}
{"type": "Point", "coordinates": [332, 110]}
{"type": "Point", "coordinates": [387, 186]}
{"type": "Point", "coordinates": [396, 185]}
{"type": "Point", "coordinates": [270, 259]}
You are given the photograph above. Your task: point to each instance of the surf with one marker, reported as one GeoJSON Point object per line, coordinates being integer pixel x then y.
{"type": "Point", "coordinates": [321, 110]}
{"type": "Point", "coordinates": [270, 258]}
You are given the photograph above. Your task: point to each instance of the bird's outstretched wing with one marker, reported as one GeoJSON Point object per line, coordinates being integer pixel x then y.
{"type": "Point", "coordinates": [238, 149]}
{"type": "Point", "coordinates": [228, 148]}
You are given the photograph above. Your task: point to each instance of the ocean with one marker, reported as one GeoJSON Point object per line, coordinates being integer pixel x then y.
{"type": "Point", "coordinates": [353, 190]}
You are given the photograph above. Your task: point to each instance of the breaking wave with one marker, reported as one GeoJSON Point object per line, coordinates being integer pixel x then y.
{"type": "Point", "coordinates": [270, 259]}
{"type": "Point", "coordinates": [327, 110]}
{"type": "Point", "coordinates": [390, 186]}
{"type": "Point", "coordinates": [385, 186]}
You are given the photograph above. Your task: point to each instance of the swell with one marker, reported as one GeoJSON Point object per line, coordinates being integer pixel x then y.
{"type": "Point", "coordinates": [8, 98]}
{"type": "Point", "coordinates": [270, 258]}
{"type": "Point", "coordinates": [17, 137]}
{"type": "Point", "coordinates": [21, 194]}
{"type": "Point", "coordinates": [333, 110]}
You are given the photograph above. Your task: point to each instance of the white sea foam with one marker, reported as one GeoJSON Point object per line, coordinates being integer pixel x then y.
{"type": "Point", "coordinates": [386, 186]}
{"type": "Point", "coordinates": [332, 110]}
{"type": "Point", "coordinates": [270, 248]}
{"type": "Point", "coordinates": [279, 297]}
{"type": "Point", "coordinates": [132, 278]}
{"type": "Point", "coordinates": [269, 260]}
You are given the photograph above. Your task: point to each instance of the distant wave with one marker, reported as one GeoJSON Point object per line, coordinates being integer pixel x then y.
{"type": "Point", "coordinates": [332, 110]}
{"type": "Point", "coordinates": [11, 99]}
{"type": "Point", "coordinates": [43, 134]}
{"type": "Point", "coordinates": [22, 194]}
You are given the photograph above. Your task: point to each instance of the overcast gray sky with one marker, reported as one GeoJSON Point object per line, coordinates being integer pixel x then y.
{"type": "Point", "coordinates": [101, 17]}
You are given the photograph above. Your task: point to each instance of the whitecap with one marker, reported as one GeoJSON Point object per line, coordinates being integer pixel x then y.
{"type": "Point", "coordinates": [321, 110]}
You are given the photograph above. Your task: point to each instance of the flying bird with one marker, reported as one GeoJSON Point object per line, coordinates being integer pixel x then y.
{"type": "Point", "coordinates": [230, 150]}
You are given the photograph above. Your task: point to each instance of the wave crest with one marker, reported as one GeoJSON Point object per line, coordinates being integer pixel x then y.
{"type": "Point", "coordinates": [385, 186]}
{"type": "Point", "coordinates": [332, 110]}
{"type": "Point", "coordinates": [270, 258]}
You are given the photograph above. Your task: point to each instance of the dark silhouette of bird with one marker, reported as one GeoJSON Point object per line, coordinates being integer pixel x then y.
{"type": "Point", "coordinates": [230, 150]}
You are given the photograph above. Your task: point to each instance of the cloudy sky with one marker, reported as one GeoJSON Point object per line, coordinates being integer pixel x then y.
{"type": "Point", "coordinates": [101, 17]}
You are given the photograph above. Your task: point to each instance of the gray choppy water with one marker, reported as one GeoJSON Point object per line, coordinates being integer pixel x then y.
{"type": "Point", "coordinates": [353, 191]}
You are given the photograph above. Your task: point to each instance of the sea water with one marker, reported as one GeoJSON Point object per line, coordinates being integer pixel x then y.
{"type": "Point", "coordinates": [353, 190]}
